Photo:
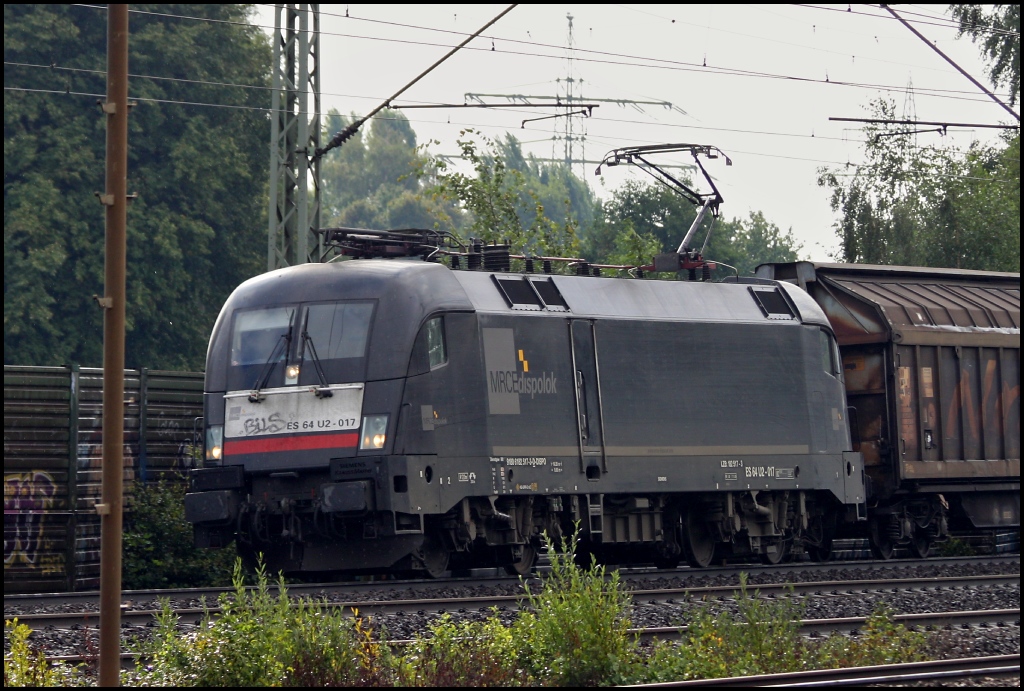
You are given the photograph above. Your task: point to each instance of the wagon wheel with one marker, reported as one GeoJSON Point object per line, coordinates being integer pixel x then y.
{"type": "Point", "coordinates": [700, 543]}
{"type": "Point", "coordinates": [524, 565]}
{"type": "Point", "coordinates": [882, 545]}
{"type": "Point", "coordinates": [434, 556]}
{"type": "Point", "coordinates": [921, 544]}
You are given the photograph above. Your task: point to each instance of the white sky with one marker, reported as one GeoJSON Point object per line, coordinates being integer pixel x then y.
{"type": "Point", "coordinates": [776, 130]}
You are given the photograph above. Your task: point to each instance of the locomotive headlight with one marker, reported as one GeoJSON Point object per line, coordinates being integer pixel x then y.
{"type": "Point", "coordinates": [214, 444]}
{"type": "Point", "coordinates": [374, 432]}
{"type": "Point", "coordinates": [291, 374]}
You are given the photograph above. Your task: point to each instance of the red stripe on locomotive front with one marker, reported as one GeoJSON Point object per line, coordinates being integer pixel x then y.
{"type": "Point", "coordinates": [304, 442]}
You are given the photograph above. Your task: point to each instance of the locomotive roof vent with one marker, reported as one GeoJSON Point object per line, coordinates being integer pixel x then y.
{"type": "Point", "coordinates": [533, 294]}
{"type": "Point", "coordinates": [773, 302]}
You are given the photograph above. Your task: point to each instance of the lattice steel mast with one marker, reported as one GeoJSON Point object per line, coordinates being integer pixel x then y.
{"type": "Point", "coordinates": [294, 217]}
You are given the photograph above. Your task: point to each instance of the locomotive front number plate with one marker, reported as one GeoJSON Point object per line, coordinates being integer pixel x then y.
{"type": "Point", "coordinates": [292, 409]}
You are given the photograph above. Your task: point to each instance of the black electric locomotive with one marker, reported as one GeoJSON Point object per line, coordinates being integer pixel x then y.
{"type": "Point", "coordinates": [386, 414]}
{"type": "Point", "coordinates": [423, 406]}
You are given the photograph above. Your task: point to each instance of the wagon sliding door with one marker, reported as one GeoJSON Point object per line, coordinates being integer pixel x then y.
{"type": "Point", "coordinates": [588, 398]}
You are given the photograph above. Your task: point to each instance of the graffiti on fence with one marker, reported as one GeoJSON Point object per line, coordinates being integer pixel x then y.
{"type": "Point", "coordinates": [27, 498]}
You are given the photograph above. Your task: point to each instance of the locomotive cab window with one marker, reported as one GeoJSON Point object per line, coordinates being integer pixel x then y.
{"type": "Point", "coordinates": [280, 346]}
{"type": "Point", "coordinates": [829, 356]}
{"type": "Point", "coordinates": [436, 351]}
{"type": "Point", "coordinates": [260, 343]}
{"type": "Point", "coordinates": [430, 350]}
{"type": "Point", "coordinates": [338, 330]}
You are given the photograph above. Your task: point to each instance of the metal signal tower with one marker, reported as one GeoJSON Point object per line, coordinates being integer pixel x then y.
{"type": "Point", "coordinates": [294, 214]}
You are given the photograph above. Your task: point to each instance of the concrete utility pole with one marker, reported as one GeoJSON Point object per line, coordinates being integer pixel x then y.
{"type": "Point", "coordinates": [295, 134]}
{"type": "Point", "coordinates": [115, 199]}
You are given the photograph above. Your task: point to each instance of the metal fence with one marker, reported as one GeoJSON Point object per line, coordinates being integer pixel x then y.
{"type": "Point", "coordinates": [52, 463]}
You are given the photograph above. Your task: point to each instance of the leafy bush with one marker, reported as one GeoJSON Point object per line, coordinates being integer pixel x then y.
{"type": "Point", "coordinates": [245, 645]}
{"type": "Point", "coordinates": [955, 547]}
{"type": "Point", "coordinates": [577, 630]}
{"type": "Point", "coordinates": [158, 549]}
{"type": "Point", "coordinates": [331, 650]}
{"type": "Point", "coordinates": [764, 638]}
{"type": "Point", "coordinates": [464, 654]}
{"type": "Point", "coordinates": [25, 666]}
{"type": "Point", "coordinates": [259, 639]}
{"type": "Point", "coordinates": [880, 643]}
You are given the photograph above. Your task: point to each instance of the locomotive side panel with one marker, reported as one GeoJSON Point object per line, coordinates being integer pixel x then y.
{"type": "Point", "coordinates": [699, 407]}
{"type": "Point", "coordinates": [531, 418]}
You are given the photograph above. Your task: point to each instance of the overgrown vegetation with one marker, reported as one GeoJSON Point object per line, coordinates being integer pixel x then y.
{"type": "Point", "coordinates": [158, 549]}
{"type": "Point", "coordinates": [27, 666]}
{"type": "Point", "coordinates": [956, 547]}
{"type": "Point", "coordinates": [573, 631]}
{"type": "Point", "coordinates": [763, 637]}
{"type": "Point", "coordinates": [576, 630]}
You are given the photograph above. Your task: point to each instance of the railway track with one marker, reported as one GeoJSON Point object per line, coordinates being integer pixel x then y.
{"type": "Point", "coordinates": [637, 578]}
{"type": "Point", "coordinates": [647, 596]}
{"type": "Point", "coordinates": [939, 672]}
{"type": "Point", "coordinates": [847, 625]}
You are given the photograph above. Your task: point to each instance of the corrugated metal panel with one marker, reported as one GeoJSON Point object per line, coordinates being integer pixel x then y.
{"type": "Point", "coordinates": [911, 305]}
{"type": "Point", "coordinates": [932, 366]}
{"type": "Point", "coordinates": [52, 463]}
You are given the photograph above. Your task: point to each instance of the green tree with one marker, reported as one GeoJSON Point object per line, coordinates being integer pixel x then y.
{"type": "Point", "coordinates": [642, 219]}
{"type": "Point", "coordinates": [997, 28]}
{"type": "Point", "coordinates": [197, 228]}
{"type": "Point", "coordinates": [931, 206]}
{"type": "Point", "coordinates": [653, 212]}
{"type": "Point", "coordinates": [371, 181]}
{"type": "Point", "coordinates": [745, 243]}
{"type": "Point", "coordinates": [564, 196]}
{"type": "Point", "coordinates": [496, 203]}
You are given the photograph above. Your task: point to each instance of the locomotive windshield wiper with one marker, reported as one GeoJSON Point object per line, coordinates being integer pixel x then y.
{"type": "Point", "coordinates": [286, 338]}
{"type": "Point", "coordinates": [323, 391]}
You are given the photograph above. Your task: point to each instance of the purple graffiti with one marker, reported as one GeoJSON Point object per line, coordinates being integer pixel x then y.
{"type": "Point", "coordinates": [27, 496]}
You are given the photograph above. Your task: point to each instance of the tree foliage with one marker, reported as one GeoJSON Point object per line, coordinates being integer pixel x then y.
{"type": "Point", "coordinates": [929, 206]}
{"type": "Point", "coordinates": [641, 220]}
{"type": "Point", "coordinates": [997, 29]}
{"type": "Point", "coordinates": [371, 181]}
{"type": "Point", "coordinates": [198, 226]}
{"type": "Point", "coordinates": [498, 203]}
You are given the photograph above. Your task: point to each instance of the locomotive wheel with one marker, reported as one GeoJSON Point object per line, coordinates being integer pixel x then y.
{"type": "Point", "coordinates": [778, 555]}
{"type": "Point", "coordinates": [700, 543]}
{"type": "Point", "coordinates": [820, 552]}
{"type": "Point", "coordinates": [525, 564]}
{"type": "Point", "coordinates": [822, 530]}
{"type": "Point", "coordinates": [921, 544]}
{"type": "Point", "coordinates": [434, 556]}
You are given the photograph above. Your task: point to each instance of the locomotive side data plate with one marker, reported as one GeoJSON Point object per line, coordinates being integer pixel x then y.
{"type": "Point", "coordinates": [295, 410]}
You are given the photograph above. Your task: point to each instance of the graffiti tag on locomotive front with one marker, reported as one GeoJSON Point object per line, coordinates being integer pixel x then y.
{"type": "Point", "coordinates": [299, 410]}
